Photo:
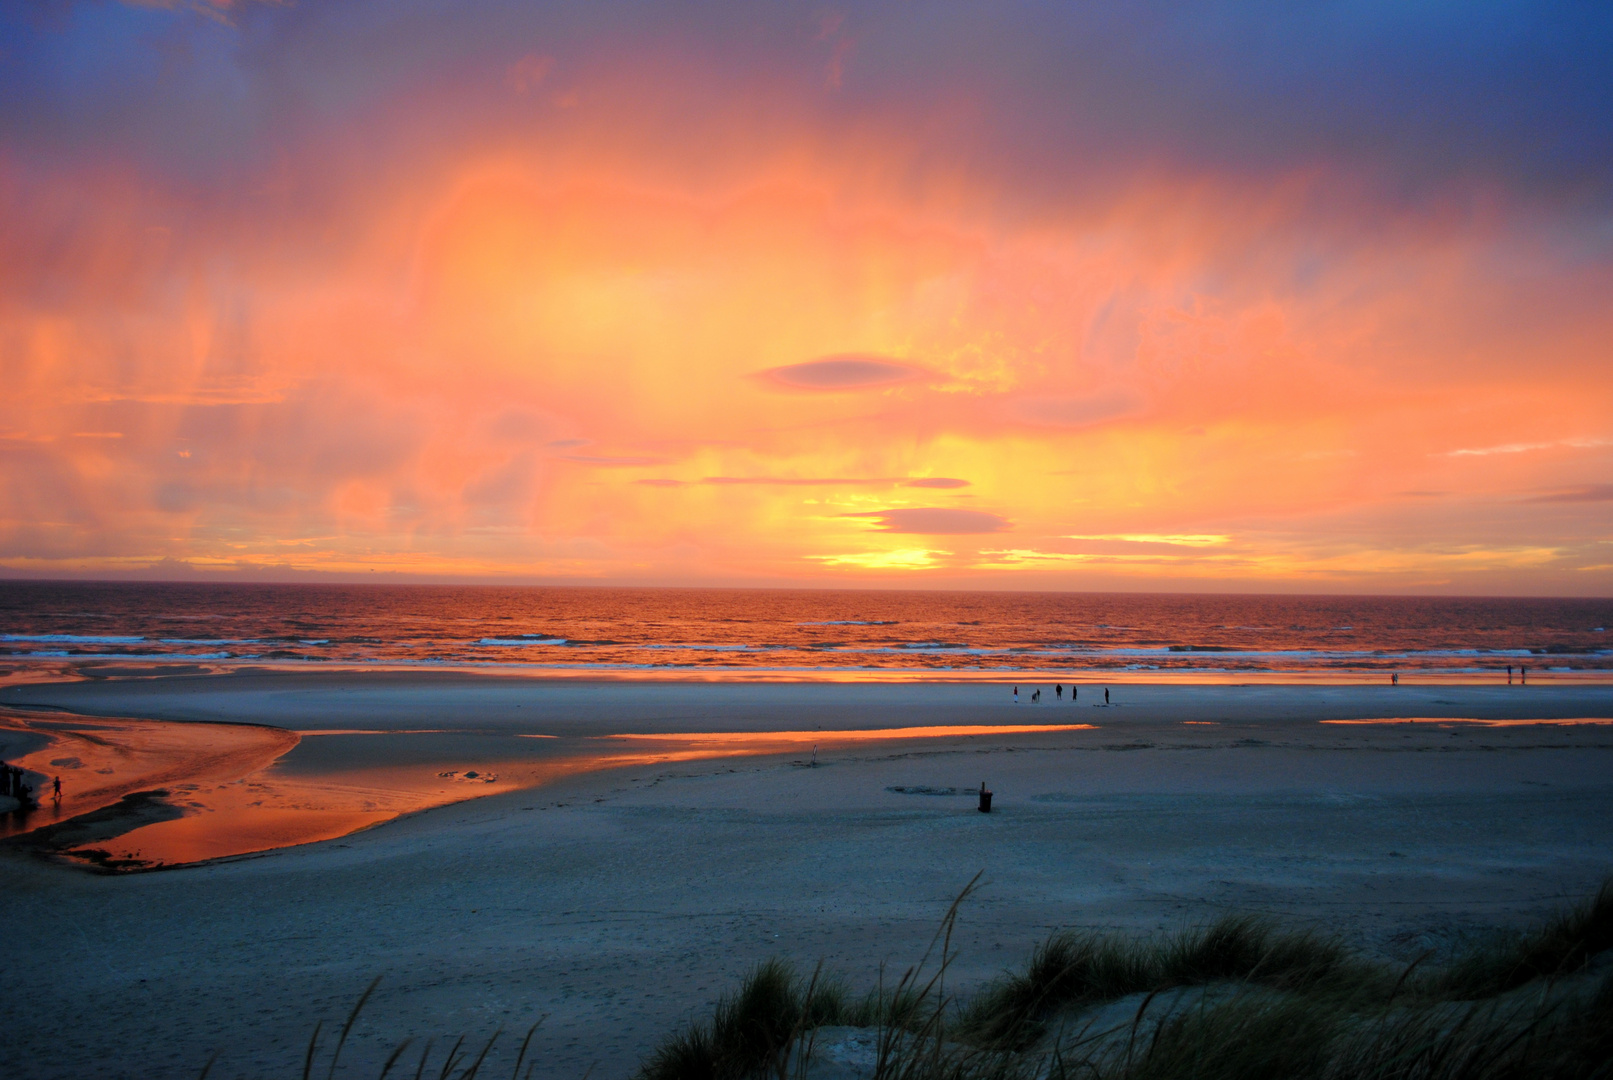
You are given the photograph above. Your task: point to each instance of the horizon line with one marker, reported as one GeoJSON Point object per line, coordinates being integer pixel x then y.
{"type": "Point", "coordinates": [313, 579]}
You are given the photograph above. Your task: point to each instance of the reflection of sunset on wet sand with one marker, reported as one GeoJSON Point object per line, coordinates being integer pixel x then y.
{"type": "Point", "coordinates": [102, 760]}
{"type": "Point", "coordinates": [211, 791]}
{"type": "Point", "coordinates": [838, 737]}
{"type": "Point", "coordinates": [265, 811]}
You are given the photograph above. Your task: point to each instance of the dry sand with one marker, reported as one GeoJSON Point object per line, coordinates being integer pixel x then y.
{"type": "Point", "coordinates": [621, 902]}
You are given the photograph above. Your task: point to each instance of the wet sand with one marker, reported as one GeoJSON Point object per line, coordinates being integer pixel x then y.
{"type": "Point", "coordinates": [128, 780]}
{"type": "Point", "coordinates": [620, 901]}
{"type": "Point", "coordinates": [146, 794]}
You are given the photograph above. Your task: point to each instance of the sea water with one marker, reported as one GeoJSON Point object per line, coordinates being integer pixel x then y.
{"type": "Point", "coordinates": [805, 633]}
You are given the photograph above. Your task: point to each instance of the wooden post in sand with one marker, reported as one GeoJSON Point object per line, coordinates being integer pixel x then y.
{"type": "Point", "coordinates": [985, 799]}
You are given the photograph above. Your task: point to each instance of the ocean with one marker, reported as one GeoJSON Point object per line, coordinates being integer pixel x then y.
{"type": "Point", "coordinates": [801, 633]}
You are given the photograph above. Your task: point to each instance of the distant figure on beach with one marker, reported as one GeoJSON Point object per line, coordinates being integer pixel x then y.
{"type": "Point", "coordinates": [1016, 695]}
{"type": "Point", "coordinates": [1074, 691]}
{"type": "Point", "coordinates": [1509, 674]}
{"type": "Point", "coordinates": [1394, 678]}
{"type": "Point", "coordinates": [1106, 695]}
{"type": "Point", "coordinates": [56, 789]}
{"type": "Point", "coordinates": [1058, 691]}
{"type": "Point", "coordinates": [1523, 674]}
{"type": "Point", "coordinates": [1036, 697]}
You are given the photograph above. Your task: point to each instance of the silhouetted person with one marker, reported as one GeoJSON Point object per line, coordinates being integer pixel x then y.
{"type": "Point", "coordinates": [1509, 674]}
{"type": "Point", "coordinates": [1058, 691]}
{"type": "Point", "coordinates": [1523, 674]}
{"type": "Point", "coordinates": [56, 789]}
{"type": "Point", "coordinates": [1075, 692]}
{"type": "Point", "coordinates": [1016, 695]}
{"type": "Point", "coordinates": [1106, 695]}
{"type": "Point", "coordinates": [1036, 696]}
{"type": "Point", "coordinates": [1394, 678]}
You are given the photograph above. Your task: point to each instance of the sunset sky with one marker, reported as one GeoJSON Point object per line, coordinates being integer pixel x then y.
{"type": "Point", "coordinates": [1279, 297]}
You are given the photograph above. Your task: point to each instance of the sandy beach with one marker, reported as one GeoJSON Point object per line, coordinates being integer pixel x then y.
{"type": "Point", "coordinates": [617, 885]}
{"type": "Point", "coordinates": [583, 519]}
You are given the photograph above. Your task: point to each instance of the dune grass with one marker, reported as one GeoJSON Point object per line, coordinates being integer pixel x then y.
{"type": "Point", "coordinates": [1298, 1038]}
{"type": "Point", "coordinates": [1275, 1003]}
{"type": "Point", "coordinates": [1073, 969]}
{"type": "Point", "coordinates": [455, 1064]}
{"type": "Point", "coordinates": [1559, 947]}
{"type": "Point", "coordinates": [769, 1025]}
{"type": "Point", "coordinates": [753, 1032]}
{"type": "Point", "coordinates": [1238, 999]}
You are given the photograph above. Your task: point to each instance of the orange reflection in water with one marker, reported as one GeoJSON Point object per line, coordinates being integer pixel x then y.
{"type": "Point", "coordinates": [836, 737]}
{"type": "Point", "coordinates": [100, 760]}
{"type": "Point", "coordinates": [230, 790]}
{"type": "Point", "coordinates": [268, 810]}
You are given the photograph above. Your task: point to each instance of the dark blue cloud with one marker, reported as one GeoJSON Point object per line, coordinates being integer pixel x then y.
{"type": "Point", "coordinates": [1518, 92]}
{"type": "Point", "coordinates": [1041, 97]}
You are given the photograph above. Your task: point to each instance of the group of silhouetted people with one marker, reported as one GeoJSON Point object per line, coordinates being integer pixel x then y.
{"type": "Point", "coordinates": [13, 787]}
{"type": "Point", "coordinates": [1523, 676]}
{"type": "Point", "coordinates": [1058, 692]}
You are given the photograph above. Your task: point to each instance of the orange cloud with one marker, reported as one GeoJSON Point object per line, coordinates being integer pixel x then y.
{"type": "Point", "coordinates": [511, 343]}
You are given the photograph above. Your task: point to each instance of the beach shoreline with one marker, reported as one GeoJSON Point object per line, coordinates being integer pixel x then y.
{"type": "Point", "coordinates": [288, 695]}
{"type": "Point", "coordinates": [623, 899]}
{"type": "Point", "coordinates": [233, 747]}
{"type": "Point", "coordinates": [19, 672]}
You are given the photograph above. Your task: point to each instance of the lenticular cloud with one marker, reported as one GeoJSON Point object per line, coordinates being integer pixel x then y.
{"type": "Point", "coordinates": [849, 372]}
